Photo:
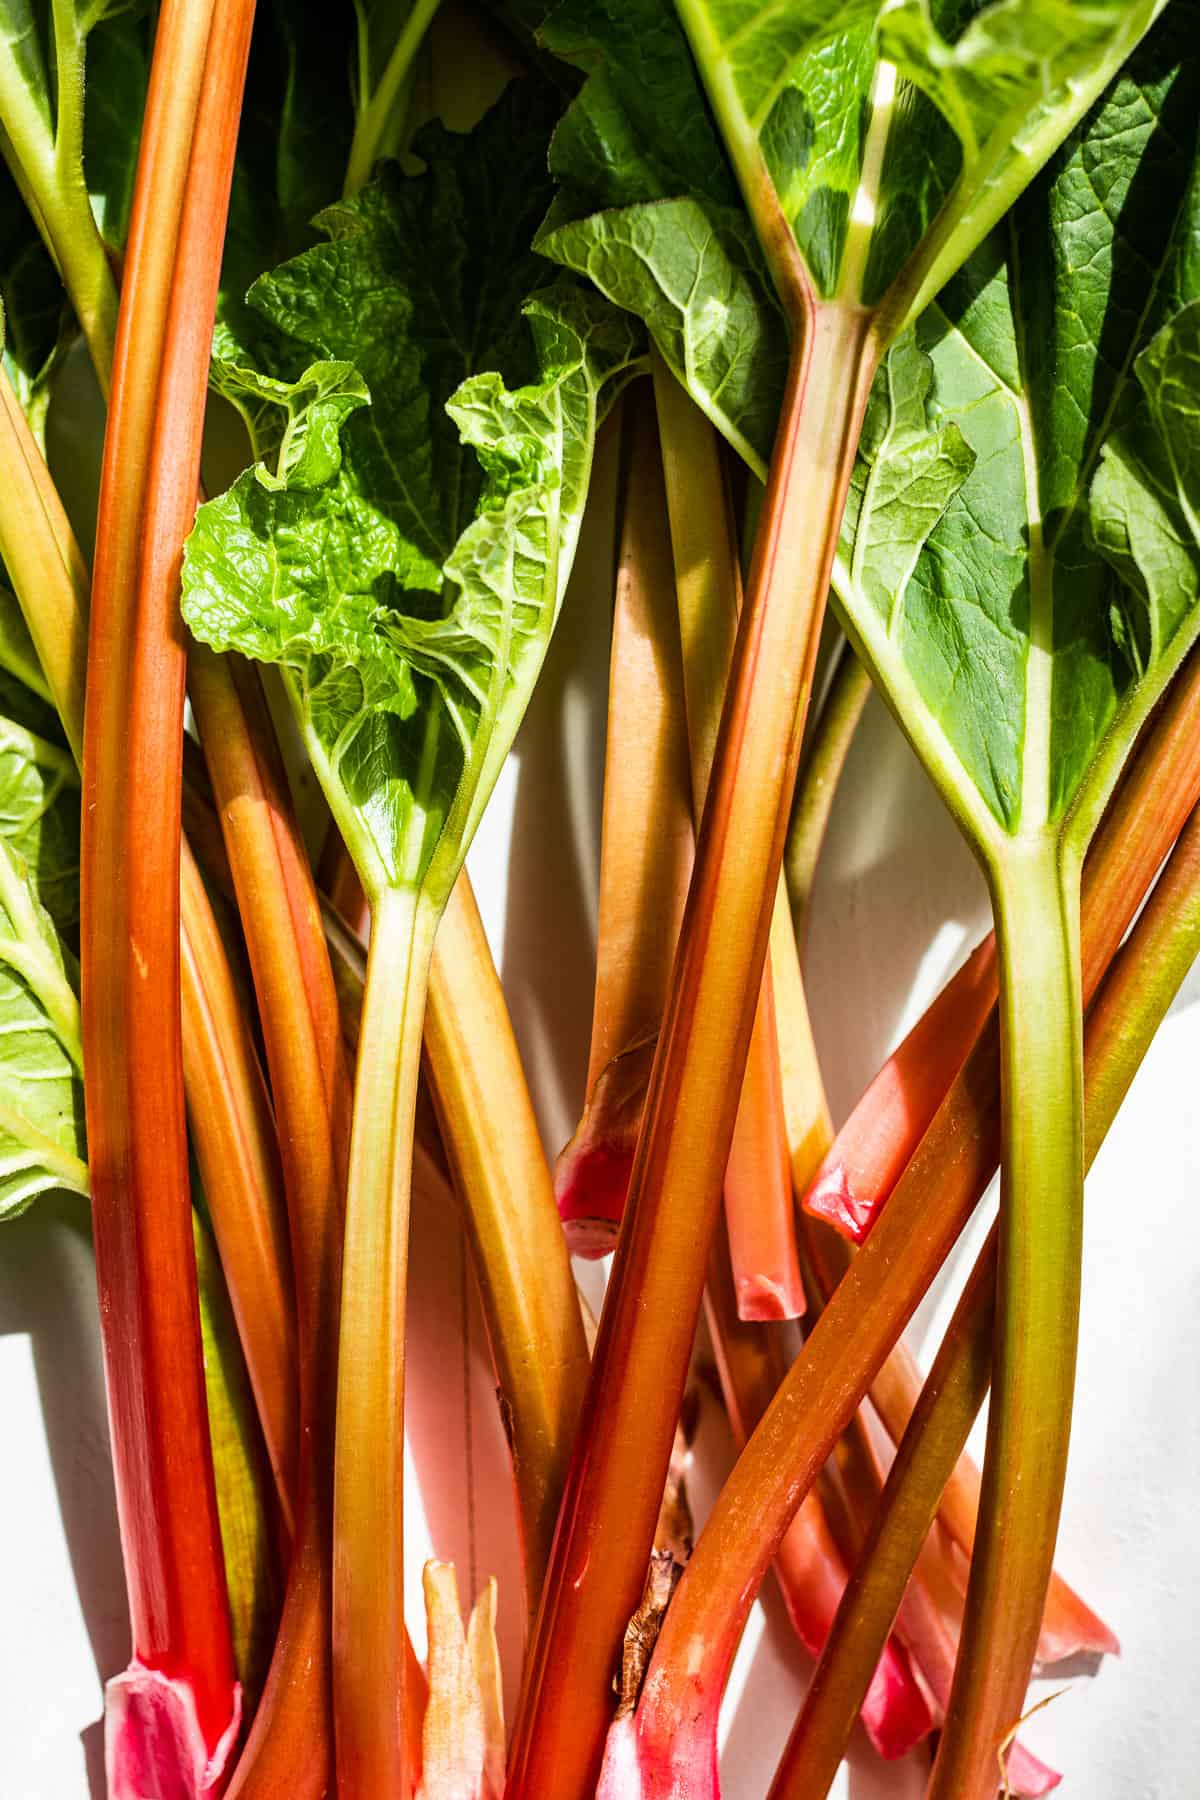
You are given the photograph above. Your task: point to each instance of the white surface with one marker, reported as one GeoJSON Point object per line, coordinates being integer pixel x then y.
{"type": "Point", "coordinates": [898, 903]}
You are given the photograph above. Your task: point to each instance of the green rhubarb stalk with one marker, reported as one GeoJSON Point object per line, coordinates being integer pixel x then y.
{"type": "Point", "coordinates": [530, 1302]}
{"type": "Point", "coordinates": [368, 1591]}
{"type": "Point", "coordinates": [1138, 990]}
{"type": "Point", "coordinates": [1037, 1320]}
{"type": "Point", "coordinates": [382, 93]}
{"type": "Point", "coordinates": [41, 138]}
{"type": "Point", "coordinates": [501, 1180]}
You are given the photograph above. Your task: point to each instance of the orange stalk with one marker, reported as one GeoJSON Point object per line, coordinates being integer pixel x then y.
{"type": "Point", "coordinates": [886, 1279]}
{"type": "Point", "coordinates": [291, 1743]}
{"type": "Point", "coordinates": [758, 1192]}
{"type": "Point", "coordinates": [229, 1108]}
{"type": "Point", "coordinates": [646, 851]}
{"type": "Point", "coordinates": [1069, 1626]}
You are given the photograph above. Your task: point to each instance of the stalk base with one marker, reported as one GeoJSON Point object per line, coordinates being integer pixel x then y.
{"type": "Point", "coordinates": [154, 1748]}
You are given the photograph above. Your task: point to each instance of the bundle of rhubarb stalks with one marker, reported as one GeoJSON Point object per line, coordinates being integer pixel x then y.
{"type": "Point", "coordinates": [882, 323]}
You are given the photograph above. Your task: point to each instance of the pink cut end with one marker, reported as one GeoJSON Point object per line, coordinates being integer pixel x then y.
{"type": "Point", "coordinates": [832, 1199]}
{"type": "Point", "coordinates": [591, 1176]}
{"type": "Point", "coordinates": [592, 1182]}
{"type": "Point", "coordinates": [895, 1713]}
{"type": "Point", "coordinates": [760, 1299]}
{"type": "Point", "coordinates": [1027, 1777]}
{"type": "Point", "coordinates": [644, 1762]}
{"type": "Point", "coordinates": [153, 1745]}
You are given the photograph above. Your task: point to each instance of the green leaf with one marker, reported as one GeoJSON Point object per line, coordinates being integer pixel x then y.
{"type": "Point", "coordinates": [294, 139]}
{"type": "Point", "coordinates": [39, 817]}
{"type": "Point", "coordinates": [411, 592]}
{"type": "Point", "coordinates": [41, 1092]}
{"type": "Point", "coordinates": [409, 703]}
{"type": "Point", "coordinates": [926, 151]}
{"type": "Point", "coordinates": [1020, 657]}
{"type": "Point", "coordinates": [294, 427]}
{"type": "Point", "coordinates": [1143, 510]}
{"type": "Point", "coordinates": [694, 273]}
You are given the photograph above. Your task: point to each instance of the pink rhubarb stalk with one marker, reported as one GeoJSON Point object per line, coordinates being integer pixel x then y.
{"type": "Point", "coordinates": [873, 1148]}
{"type": "Point", "coordinates": [809, 1566]}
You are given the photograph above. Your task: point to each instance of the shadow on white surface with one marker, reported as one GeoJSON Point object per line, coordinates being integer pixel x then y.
{"type": "Point", "coordinates": [47, 1295]}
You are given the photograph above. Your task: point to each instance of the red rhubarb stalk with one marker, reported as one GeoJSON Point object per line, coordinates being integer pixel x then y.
{"type": "Point", "coordinates": [613, 1493]}
{"type": "Point", "coordinates": [809, 1566]}
{"type": "Point", "coordinates": [872, 1149]}
{"type": "Point", "coordinates": [229, 1109]}
{"type": "Point", "coordinates": [173, 1715]}
{"type": "Point", "coordinates": [758, 1191]}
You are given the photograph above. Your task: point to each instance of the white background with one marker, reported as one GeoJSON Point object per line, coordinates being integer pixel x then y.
{"type": "Point", "coordinates": [898, 904]}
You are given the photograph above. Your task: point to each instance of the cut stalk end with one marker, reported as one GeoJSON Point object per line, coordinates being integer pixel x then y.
{"type": "Point", "coordinates": [154, 1746]}
{"type": "Point", "coordinates": [640, 1766]}
{"type": "Point", "coordinates": [591, 1176]}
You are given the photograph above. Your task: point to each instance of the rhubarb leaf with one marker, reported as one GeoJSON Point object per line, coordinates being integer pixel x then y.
{"type": "Point", "coordinates": [297, 123]}
{"type": "Point", "coordinates": [39, 817]}
{"type": "Point", "coordinates": [930, 147]}
{"type": "Point", "coordinates": [1145, 501]}
{"type": "Point", "coordinates": [41, 1094]}
{"type": "Point", "coordinates": [410, 594]}
{"type": "Point", "coordinates": [1014, 652]}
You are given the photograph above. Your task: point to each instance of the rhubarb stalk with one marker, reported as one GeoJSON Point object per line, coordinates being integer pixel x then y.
{"type": "Point", "coordinates": [645, 854]}
{"type": "Point", "coordinates": [758, 1190]}
{"type": "Point", "coordinates": [177, 1707]}
{"type": "Point", "coordinates": [292, 1741]}
{"type": "Point", "coordinates": [368, 1572]}
{"type": "Point", "coordinates": [881, 1289]}
{"type": "Point", "coordinates": [229, 1108]}
{"type": "Point", "coordinates": [615, 1487]}
{"type": "Point", "coordinates": [1133, 1000]}
{"type": "Point", "coordinates": [530, 1303]}
{"type": "Point", "coordinates": [809, 1565]}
